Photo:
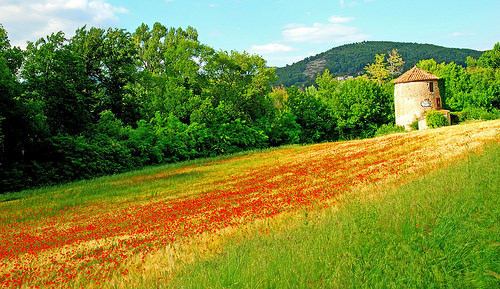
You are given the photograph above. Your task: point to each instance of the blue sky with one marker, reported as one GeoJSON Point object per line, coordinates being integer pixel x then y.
{"type": "Point", "coordinates": [281, 31]}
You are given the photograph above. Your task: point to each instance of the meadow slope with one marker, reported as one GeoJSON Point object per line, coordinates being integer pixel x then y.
{"type": "Point", "coordinates": [136, 228]}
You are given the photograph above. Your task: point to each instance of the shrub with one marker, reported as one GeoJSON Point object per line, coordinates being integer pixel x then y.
{"type": "Point", "coordinates": [236, 136]}
{"type": "Point", "coordinates": [414, 125]}
{"type": "Point", "coordinates": [281, 129]}
{"type": "Point", "coordinates": [479, 113]}
{"type": "Point", "coordinates": [388, 129]}
{"type": "Point", "coordinates": [435, 119]}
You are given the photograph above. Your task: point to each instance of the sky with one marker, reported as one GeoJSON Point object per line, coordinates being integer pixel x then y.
{"type": "Point", "coordinates": [281, 31]}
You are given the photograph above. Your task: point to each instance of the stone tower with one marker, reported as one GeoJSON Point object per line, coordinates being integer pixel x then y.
{"type": "Point", "coordinates": [416, 92]}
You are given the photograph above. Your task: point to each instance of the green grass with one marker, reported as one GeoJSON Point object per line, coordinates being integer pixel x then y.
{"type": "Point", "coordinates": [441, 231]}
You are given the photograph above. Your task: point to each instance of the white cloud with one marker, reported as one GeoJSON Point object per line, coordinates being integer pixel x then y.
{"type": "Point", "coordinates": [283, 60]}
{"type": "Point", "coordinates": [214, 34]}
{"type": "Point", "coordinates": [270, 48]}
{"type": "Point", "coordinates": [297, 37]}
{"type": "Point", "coordinates": [459, 34]}
{"type": "Point", "coordinates": [323, 32]}
{"type": "Point", "coordinates": [31, 19]}
{"type": "Point", "coordinates": [338, 19]}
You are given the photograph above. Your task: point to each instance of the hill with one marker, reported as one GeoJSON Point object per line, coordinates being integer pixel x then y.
{"type": "Point", "coordinates": [350, 59]}
{"type": "Point", "coordinates": [133, 230]}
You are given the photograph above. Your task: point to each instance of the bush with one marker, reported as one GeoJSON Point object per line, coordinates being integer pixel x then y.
{"type": "Point", "coordinates": [435, 118]}
{"type": "Point", "coordinates": [414, 125]}
{"type": "Point", "coordinates": [389, 128]}
{"type": "Point", "coordinates": [236, 136]}
{"type": "Point", "coordinates": [480, 113]}
{"type": "Point", "coordinates": [281, 129]}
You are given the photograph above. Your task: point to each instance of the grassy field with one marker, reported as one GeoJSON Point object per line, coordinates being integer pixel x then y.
{"type": "Point", "coordinates": [271, 219]}
{"type": "Point", "coordinates": [440, 231]}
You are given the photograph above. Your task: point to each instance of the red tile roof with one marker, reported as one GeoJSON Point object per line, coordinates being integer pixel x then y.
{"type": "Point", "coordinates": [415, 74]}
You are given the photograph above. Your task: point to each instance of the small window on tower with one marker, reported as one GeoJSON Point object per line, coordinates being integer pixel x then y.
{"type": "Point", "coordinates": [438, 102]}
{"type": "Point", "coordinates": [431, 86]}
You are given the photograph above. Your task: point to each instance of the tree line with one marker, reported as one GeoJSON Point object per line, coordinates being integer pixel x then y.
{"type": "Point", "coordinates": [106, 101]}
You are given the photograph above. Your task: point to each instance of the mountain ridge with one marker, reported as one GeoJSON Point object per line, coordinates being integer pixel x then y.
{"type": "Point", "coordinates": [350, 59]}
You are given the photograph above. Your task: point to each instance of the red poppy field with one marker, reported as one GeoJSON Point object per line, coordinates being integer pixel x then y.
{"type": "Point", "coordinates": [136, 228]}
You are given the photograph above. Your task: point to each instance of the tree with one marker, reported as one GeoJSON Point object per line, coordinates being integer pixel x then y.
{"type": "Point", "coordinates": [491, 58]}
{"type": "Point", "coordinates": [395, 63]}
{"type": "Point", "coordinates": [460, 88]}
{"type": "Point", "coordinates": [55, 78]}
{"type": "Point", "coordinates": [312, 115]}
{"type": "Point", "coordinates": [239, 84]}
{"type": "Point", "coordinates": [377, 70]}
{"type": "Point", "coordinates": [12, 55]}
{"type": "Point", "coordinates": [358, 106]}
{"type": "Point", "coordinates": [110, 60]}
{"type": "Point", "coordinates": [119, 69]}
{"type": "Point", "coordinates": [14, 117]}
{"type": "Point", "coordinates": [431, 66]}
{"type": "Point", "coordinates": [278, 96]}
{"type": "Point", "coordinates": [150, 47]}
{"type": "Point", "coordinates": [170, 62]}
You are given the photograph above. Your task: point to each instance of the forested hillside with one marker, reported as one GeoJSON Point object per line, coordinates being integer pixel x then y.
{"type": "Point", "coordinates": [350, 59]}
{"type": "Point", "coordinates": [108, 101]}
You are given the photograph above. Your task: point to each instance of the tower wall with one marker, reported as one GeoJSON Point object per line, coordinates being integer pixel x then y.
{"type": "Point", "coordinates": [413, 99]}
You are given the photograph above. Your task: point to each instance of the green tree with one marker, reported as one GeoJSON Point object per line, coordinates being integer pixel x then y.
{"type": "Point", "coordinates": [395, 63]}
{"type": "Point", "coordinates": [171, 62]}
{"type": "Point", "coordinates": [15, 121]}
{"type": "Point", "coordinates": [491, 58]}
{"type": "Point", "coordinates": [55, 78]}
{"type": "Point", "coordinates": [109, 58]}
{"type": "Point", "coordinates": [378, 69]}
{"type": "Point", "coordinates": [119, 70]}
{"type": "Point", "coordinates": [358, 106]}
{"type": "Point", "coordinates": [12, 55]}
{"type": "Point", "coordinates": [312, 115]}
{"type": "Point", "coordinates": [239, 84]}
{"type": "Point", "coordinates": [460, 88]}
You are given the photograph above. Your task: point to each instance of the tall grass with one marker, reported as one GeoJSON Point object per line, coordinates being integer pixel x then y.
{"type": "Point", "coordinates": [439, 231]}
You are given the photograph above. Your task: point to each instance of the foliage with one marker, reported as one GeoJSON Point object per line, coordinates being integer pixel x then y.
{"type": "Point", "coordinates": [476, 86]}
{"type": "Point", "coordinates": [490, 58]}
{"type": "Point", "coordinates": [414, 125]}
{"type": "Point", "coordinates": [282, 129]}
{"type": "Point", "coordinates": [106, 101]}
{"type": "Point", "coordinates": [55, 76]}
{"type": "Point", "coordinates": [377, 70]}
{"type": "Point", "coordinates": [395, 63]}
{"type": "Point", "coordinates": [386, 129]}
{"type": "Point", "coordinates": [312, 115]}
{"type": "Point", "coordinates": [479, 113]}
{"type": "Point", "coordinates": [358, 106]}
{"type": "Point", "coordinates": [381, 70]}
{"type": "Point", "coordinates": [435, 118]}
